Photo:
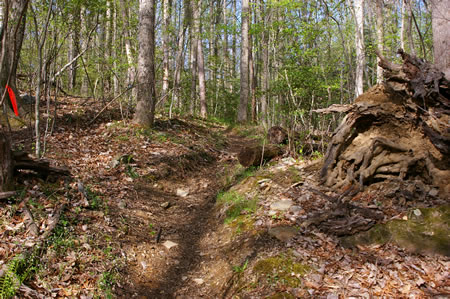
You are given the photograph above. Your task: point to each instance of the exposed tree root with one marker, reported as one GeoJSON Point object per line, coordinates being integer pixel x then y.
{"type": "Point", "coordinates": [397, 130]}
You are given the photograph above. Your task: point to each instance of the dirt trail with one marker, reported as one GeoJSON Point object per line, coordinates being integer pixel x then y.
{"type": "Point", "coordinates": [153, 270]}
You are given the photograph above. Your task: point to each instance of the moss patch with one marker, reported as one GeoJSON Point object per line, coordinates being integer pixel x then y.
{"type": "Point", "coordinates": [281, 270]}
{"type": "Point", "coordinates": [242, 224]}
{"type": "Point", "coordinates": [237, 205]}
{"type": "Point", "coordinates": [426, 230]}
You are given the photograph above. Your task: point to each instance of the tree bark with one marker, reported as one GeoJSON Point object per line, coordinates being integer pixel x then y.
{"type": "Point", "coordinates": [245, 91]}
{"type": "Point", "coordinates": [145, 109]}
{"type": "Point", "coordinates": [440, 14]}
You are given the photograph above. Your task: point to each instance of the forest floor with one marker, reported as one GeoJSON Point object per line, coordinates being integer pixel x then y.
{"type": "Point", "coordinates": [169, 213]}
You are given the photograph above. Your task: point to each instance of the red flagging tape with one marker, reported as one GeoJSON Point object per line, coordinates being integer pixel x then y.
{"type": "Point", "coordinates": [12, 97]}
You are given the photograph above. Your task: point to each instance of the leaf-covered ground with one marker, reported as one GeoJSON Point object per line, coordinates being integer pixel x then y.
{"type": "Point", "coordinates": [168, 212]}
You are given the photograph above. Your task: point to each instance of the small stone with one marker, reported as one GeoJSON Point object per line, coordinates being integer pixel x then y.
{"type": "Point", "coordinates": [264, 181]}
{"type": "Point", "coordinates": [417, 212]}
{"type": "Point", "coordinates": [295, 209]}
{"type": "Point", "coordinates": [283, 233]}
{"type": "Point", "coordinates": [165, 205]}
{"type": "Point", "coordinates": [169, 244]}
{"type": "Point", "coordinates": [122, 204]}
{"type": "Point", "coordinates": [182, 192]}
{"type": "Point", "coordinates": [144, 265]}
{"type": "Point", "coordinates": [282, 205]}
{"type": "Point", "coordinates": [199, 281]}
{"type": "Point", "coordinates": [433, 192]}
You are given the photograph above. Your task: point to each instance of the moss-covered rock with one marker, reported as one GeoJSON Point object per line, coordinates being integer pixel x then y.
{"type": "Point", "coordinates": [423, 230]}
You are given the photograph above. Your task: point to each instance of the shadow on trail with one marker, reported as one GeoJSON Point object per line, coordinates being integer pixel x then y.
{"type": "Point", "coordinates": [189, 221]}
{"type": "Point", "coordinates": [186, 223]}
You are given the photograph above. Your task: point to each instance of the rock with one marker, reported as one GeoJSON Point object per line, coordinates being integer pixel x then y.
{"type": "Point", "coordinates": [169, 244]}
{"type": "Point", "coordinates": [122, 204]}
{"type": "Point", "coordinates": [424, 232]}
{"type": "Point", "coordinates": [283, 233]}
{"type": "Point", "coordinates": [165, 205]}
{"type": "Point", "coordinates": [295, 209]}
{"type": "Point", "coordinates": [182, 192]}
{"type": "Point", "coordinates": [282, 205]}
{"type": "Point", "coordinates": [144, 265]}
{"type": "Point", "coordinates": [434, 192]}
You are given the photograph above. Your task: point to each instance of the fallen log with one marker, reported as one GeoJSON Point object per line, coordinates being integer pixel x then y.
{"type": "Point", "coordinates": [256, 155]}
{"type": "Point", "coordinates": [22, 161]}
{"type": "Point", "coordinates": [5, 195]}
{"type": "Point", "coordinates": [335, 108]}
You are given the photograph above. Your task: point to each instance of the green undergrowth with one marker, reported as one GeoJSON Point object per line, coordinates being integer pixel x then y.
{"type": "Point", "coordinates": [236, 205]}
{"type": "Point", "coordinates": [19, 270]}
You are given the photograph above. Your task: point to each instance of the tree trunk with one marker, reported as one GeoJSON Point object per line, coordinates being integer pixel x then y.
{"type": "Point", "coordinates": [402, 24]}
{"type": "Point", "coordinates": [13, 33]}
{"type": "Point", "coordinates": [359, 40]}
{"type": "Point", "coordinates": [226, 56]}
{"type": "Point", "coordinates": [6, 163]}
{"type": "Point", "coordinates": [115, 50]}
{"type": "Point", "coordinates": [179, 67]}
{"type": "Point", "coordinates": [234, 38]}
{"type": "Point", "coordinates": [242, 110]}
{"type": "Point", "coordinates": [73, 50]}
{"type": "Point", "coordinates": [131, 71]}
{"type": "Point", "coordinates": [193, 57]}
{"type": "Point", "coordinates": [165, 48]}
{"type": "Point", "coordinates": [145, 109]}
{"type": "Point", "coordinates": [108, 46]}
{"type": "Point", "coordinates": [200, 59]}
{"type": "Point", "coordinates": [265, 67]}
{"type": "Point", "coordinates": [380, 36]}
{"type": "Point", "coordinates": [440, 14]}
